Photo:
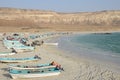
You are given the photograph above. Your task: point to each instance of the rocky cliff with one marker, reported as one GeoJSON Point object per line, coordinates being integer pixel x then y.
{"type": "Point", "coordinates": [35, 18]}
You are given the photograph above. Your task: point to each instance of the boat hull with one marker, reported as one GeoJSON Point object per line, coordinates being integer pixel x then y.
{"type": "Point", "coordinates": [16, 61]}
{"type": "Point", "coordinates": [22, 50]}
{"type": "Point", "coordinates": [15, 76]}
{"type": "Point", "coordinates": [31, 68]}
{"type": "Point", "coordinates": [54, 44]}
{"type": "Point", "coordinates": [4, 54]}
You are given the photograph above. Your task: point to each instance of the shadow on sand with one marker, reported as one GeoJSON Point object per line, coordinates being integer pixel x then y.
{"type": "Point", "coordinates": [7, 75]}
{"type": "Point", "coordinates": [5, 69]}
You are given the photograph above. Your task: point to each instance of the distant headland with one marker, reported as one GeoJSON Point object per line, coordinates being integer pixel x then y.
{"type": "Point", "coordinates": [12, 19]}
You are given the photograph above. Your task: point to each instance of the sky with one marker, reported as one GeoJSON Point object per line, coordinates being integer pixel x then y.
{"type": "Point", "coordinates": [63, 5]}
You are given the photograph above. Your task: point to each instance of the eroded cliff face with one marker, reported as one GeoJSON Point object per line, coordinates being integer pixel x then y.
{"type": "Point", "coordinates": [32, 18]}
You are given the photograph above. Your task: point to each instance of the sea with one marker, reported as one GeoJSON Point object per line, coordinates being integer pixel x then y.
{"type": "Point", "coordinates": [98, 47]}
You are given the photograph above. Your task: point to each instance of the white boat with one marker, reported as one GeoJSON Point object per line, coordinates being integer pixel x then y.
{"type": "Point", "coordinates": [33, 73]}
{"type": "Point", "coordinates": [17, 45]}
{"type": "Point", "coordinates": [54, 44]}
{"type": "Point", "coordinates": [23, 48]}
{"type": "Point", "coordinates": [30, 67]}
{"type": "Point", "coordinates": [6, 53]}
{"type": "Point", "coordinates": [11, 43]}
{"type": "Point", "coordinates": [16, 60]}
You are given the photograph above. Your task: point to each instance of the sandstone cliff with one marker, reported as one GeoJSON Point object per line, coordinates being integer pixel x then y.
{"type": "Point", "coordinates": [35, 18]}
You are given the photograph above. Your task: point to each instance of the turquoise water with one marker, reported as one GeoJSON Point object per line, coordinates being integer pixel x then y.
{"type": "Point", "coordinates": [103, 48]}
{"type": "Point", "coordinates": [100, 47]}
{"type": "Point", "coordinates": [106, 42]}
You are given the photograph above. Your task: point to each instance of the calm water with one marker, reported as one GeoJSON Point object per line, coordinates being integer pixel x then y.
{"type": "Point", "coordinates": [98, 47]}
{"type": "Point", "coordinates": [105, 42]}
{"type": "Point", "coordinates": [101, 48]}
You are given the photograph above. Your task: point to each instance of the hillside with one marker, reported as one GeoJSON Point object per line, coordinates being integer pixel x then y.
{"type": "Point", "coordinates": [39, 19]}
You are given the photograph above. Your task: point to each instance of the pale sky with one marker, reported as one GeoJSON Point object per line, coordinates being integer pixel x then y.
{"type": "Point", "coordinates": [63, 5]}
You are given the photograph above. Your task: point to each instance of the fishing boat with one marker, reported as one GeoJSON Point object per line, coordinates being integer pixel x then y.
{"type": "Point", "coordinates": [16, 60]}
{"type": "Point", "coordinates": [54, 44]}
{"type": "Point", "coordinates": [11, 43]}
{"type": "Point", "coordinates": [29, 67]}
{"type": "Point", "coordinates": [17, 45]}
{"type": "Point", "coordinates": [6, 53]}
{"type": "Point", "coordinates": [53, 64]}
{"type": "Point", "coordinates": [23, 48]}
{"type": "Point", "coordinates": [15, 73]}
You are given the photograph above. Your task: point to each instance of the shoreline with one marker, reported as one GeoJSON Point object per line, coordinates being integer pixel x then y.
{"type": "Point", "coordinates": [109, 65]}
{"type": "Point", "coordinates": [106, 59]}
{"type": "Point", "coordinates": [85, 66]}
{"type": "Point", "coordinates": [74, 69]}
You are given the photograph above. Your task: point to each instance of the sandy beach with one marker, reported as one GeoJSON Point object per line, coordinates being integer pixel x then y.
{"type": "Point", "coordinates": [74, 69]}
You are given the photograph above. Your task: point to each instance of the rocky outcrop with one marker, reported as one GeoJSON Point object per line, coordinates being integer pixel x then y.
{"type": "Point", "coordinates": [23, 17]}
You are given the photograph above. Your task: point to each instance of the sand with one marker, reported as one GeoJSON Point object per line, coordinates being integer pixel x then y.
{"type": "Point", "coordinates": [74, 69]}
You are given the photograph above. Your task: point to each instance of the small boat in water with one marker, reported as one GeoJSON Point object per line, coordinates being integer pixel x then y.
{"type": "Point", "coordinates": [15, 60]}
{"type": "Point", "coordinates": [15, 73]}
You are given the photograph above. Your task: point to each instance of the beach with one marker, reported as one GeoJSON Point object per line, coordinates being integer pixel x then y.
{"type": "Point", "coordinates": [74, 69]}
